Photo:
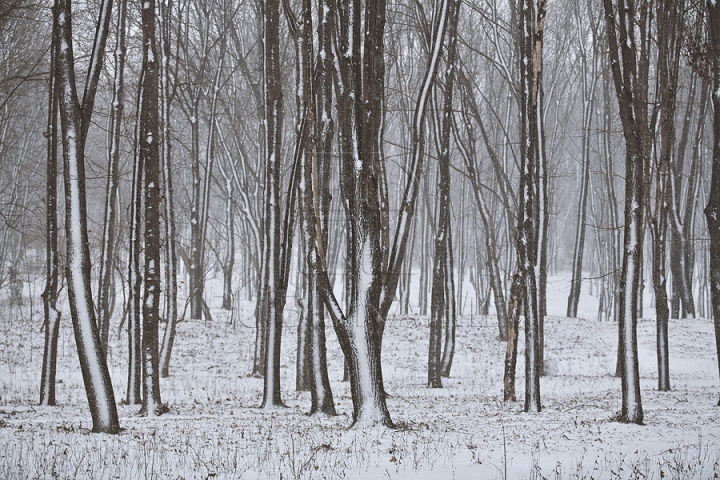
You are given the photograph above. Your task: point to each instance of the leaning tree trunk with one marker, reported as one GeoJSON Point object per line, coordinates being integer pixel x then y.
{"type": "Point", "coordinates": [92, 360]}
{"type": "Point", "coordinates": [712, 210]}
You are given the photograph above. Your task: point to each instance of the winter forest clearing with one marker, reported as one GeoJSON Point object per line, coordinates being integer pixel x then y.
{"type": "Point", "coordinates": [464, 430]}
{"type": "Point", "coordinates": [325, 238]}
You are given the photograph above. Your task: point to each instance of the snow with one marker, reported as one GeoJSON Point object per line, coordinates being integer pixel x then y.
{"type": "Point", "coordinates": [465, 430]}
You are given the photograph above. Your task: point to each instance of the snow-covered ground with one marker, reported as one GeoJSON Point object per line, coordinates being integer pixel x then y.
{"type": "Point", "coordinates": [215, 430]}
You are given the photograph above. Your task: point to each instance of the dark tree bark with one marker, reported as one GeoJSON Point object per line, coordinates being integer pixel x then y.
{"type": "Point", "coordinates": [712, 210]}
{"type": "Point", "coordinates": [630, 64]}
{"type": "Point", "coordinates": [277, 244]}
{"type": "Point", "coordinates": [168, 193]}
{"type": "Point", "coordinates": [51, 322]}
{"type": "Point", "coordinates": [444, 161]}
{"type": "Point", "coordinates": [669, 25]}
{"type": "Point", "coordinates": [74, 120]}
{"type": "Point", "coordinates": [588, 96]}
{"type": "Point", "coordinates": [531, 25]}
{"type": "Point", "coordinates": [513, 327]}
{"type": "Point", "coordinates": [107, 256]}
{"type": "Point", "coordinates": [149, 148]}
{"type": "Point", "coordinates": [134, 381]}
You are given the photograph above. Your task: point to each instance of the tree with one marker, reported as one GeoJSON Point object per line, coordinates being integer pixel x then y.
{"type": "Point", "coordinates": [442, 304]}
{"type": "Point", "coordinates": [532, 18]}
{"type": "Point", "coordinates": [51, 322]}
{"type": "Point", "coordinates": [712, 210]}
{"type": "Point", "coordinates": [168, 192]}
{"type": "Point", "coordinates": [628, 33]}
{"type": "Point", "coordinates": [74, 120]}
{"type": "Point", "coordinates": [107, 256]}
{"type": "Point", "coordinates": [274, 280]}
{"type": "Point", "coordinates": [149, 149]}
{"type": "Point", "coordinates": [588, 97]}
{"type": "Point", "coordinates": [669, 32]}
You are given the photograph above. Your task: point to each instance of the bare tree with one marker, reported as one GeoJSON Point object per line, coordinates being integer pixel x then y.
{"type": "Point", "coordinates": [74, 120]}
{"type": "Point", "coordinates": [107, 256]}
{"type": "Point", "coordinates": [628, 32]}
{"type": "Point", "coordinates": [712, 210]}
{"type": "Point", "coordinates": [51, 322]}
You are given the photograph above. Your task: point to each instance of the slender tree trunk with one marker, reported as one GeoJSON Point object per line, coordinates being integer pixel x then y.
{"type": "Point", "coordinates": [712, 210]}
{"type": "Point", "coordinates": [444, 187]}
{"type": "Point", "coordinates": [134, 383]}
{"type": "Point", "coordinates": [107, 256]}
{"type": "Point", "coordinates": [531, 21]}
{"type": "Point", "coordinates": [469, 154]}
{"type": "Point", "coordinates": [513, 327]}
{"type": "Point", "coordinates": [51, 323]}
{"type": "Point", "coordinates": [150, 152]}
{"type": "Point", "coordinates": [629, 69]}
{"type": "Point", "coordinates": [73, 120]}
{"type": "Point", "coordinates": [668, 65]}
{"type": "Point", "coordinates": [168, 339]}
{"type": "Point", "coordinates": [272, 268]}
{"type": "Point", "coordinates": [588, 90]}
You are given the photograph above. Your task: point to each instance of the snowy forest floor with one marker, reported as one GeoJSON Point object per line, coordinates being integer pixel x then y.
{"type": "Point", "coordinates": [464, 430]}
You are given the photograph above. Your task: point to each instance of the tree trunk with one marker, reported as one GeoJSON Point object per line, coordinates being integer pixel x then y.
{"type": "Point", "coordinates": [168, 339]}
{"type": "Point", "coordinates": [73, 120]}
{"type": "Point", "coordinates": [668, 13]}
{"type": "Point", "coordinates": [107, 256]}
{"type": "Point", "coordinates": [516, 299]}
{"type": "Point", "coordinates": [274, 263]}
{"type": "Point", "coordinates": [134, 392]}
{"type": "Point", "coordinates": [149, 148]}
{"type": "Point", "coordinates": [51, 322]}
{"type": "Point", "coordinates": [588, 91]}
{"type": "Point", "coordinates": [712, 210]}
{"type": "Point", "coordinates": [445, 213]}
{"type": "Point", "coordinates": [630, 69]}
{"type": "Point", "coordinates": [531, 24]}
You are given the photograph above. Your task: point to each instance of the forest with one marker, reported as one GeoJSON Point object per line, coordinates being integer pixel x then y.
{"type": "Point", "coordinates": [349, 213]}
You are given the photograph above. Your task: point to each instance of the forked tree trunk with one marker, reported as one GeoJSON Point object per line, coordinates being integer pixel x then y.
{"type": "Point", "coordinates": [668, 18]}
{"type": "Point", "coordinates": [96, 376]}
{"type": "Point", "coordinates": [629, 63]}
